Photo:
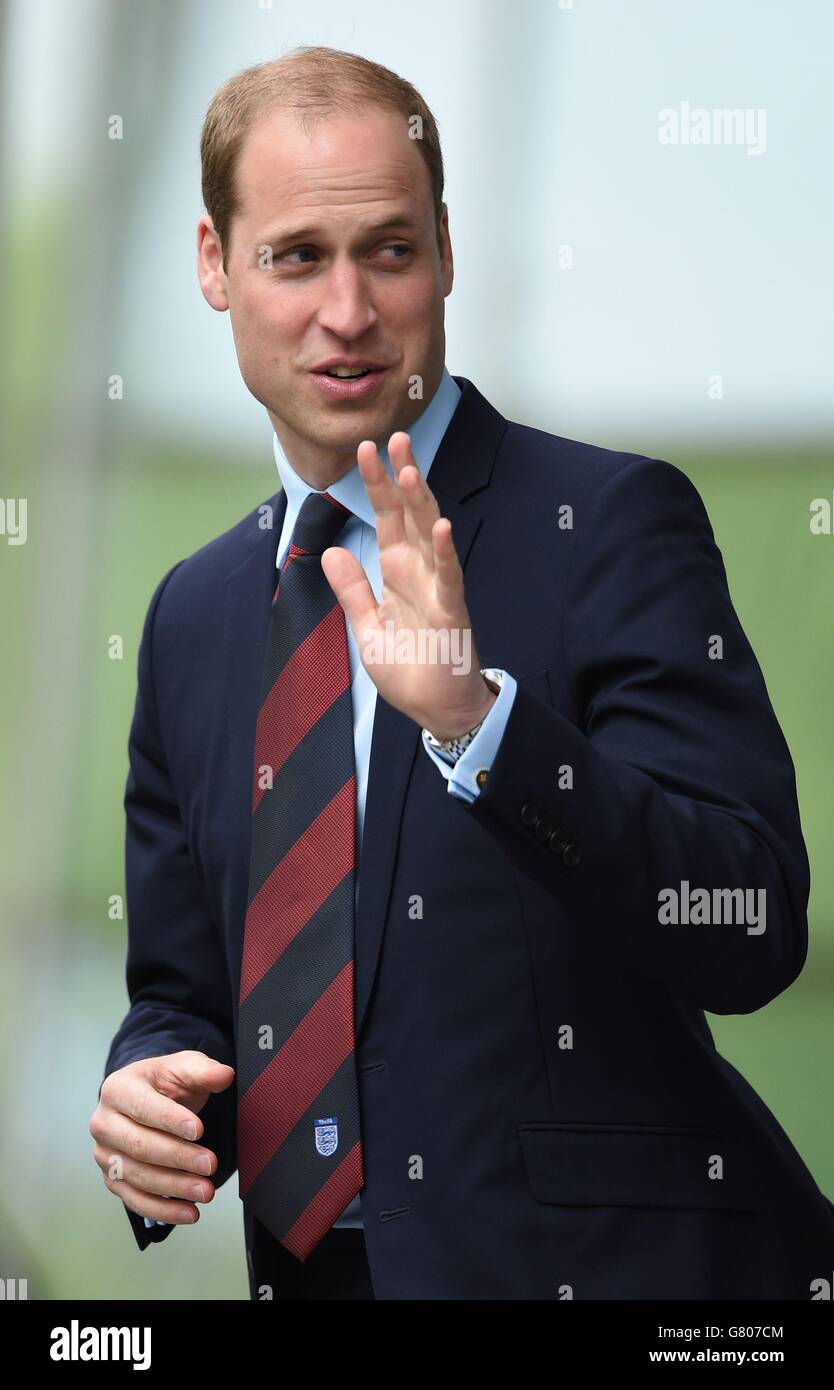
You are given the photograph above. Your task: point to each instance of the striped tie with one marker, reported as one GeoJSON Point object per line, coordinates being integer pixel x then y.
{"type": "Point", "coordinates": [299, 1147]}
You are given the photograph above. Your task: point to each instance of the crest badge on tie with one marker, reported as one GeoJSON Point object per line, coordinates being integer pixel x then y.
{"type": "Point", "coordinates": [327, 1136]}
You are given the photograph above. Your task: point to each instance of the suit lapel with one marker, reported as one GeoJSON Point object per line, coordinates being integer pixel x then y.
{"type": "Point", "coordinates": [249, 591]}
{"type": "Point", "coordinates": [462, 467]}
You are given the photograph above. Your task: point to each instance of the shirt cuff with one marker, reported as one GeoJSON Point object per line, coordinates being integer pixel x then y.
{"type": "Point", "coordinates": [461, 776]}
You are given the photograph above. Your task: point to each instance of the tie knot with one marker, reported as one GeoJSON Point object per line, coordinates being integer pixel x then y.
{"type": "Point", "coordinates": [319, 522]}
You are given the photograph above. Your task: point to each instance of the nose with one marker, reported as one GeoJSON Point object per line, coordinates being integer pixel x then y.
{"type": "Point", "coordinates": [346, 308]}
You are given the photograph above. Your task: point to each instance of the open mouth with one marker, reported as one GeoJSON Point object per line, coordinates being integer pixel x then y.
{"type": "Point", "coordinates": [343, 375]}
{"type": "Point", "coordinates": [349, 383]}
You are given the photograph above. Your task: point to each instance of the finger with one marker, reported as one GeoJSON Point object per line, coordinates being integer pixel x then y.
{"type": "Point", "coordinates": [399, 452]}
{"type": "Point", "coordinates": [352, 588]}
{"type": "Point", "coordinates": [123, 1135]}
{"type": "Point", "coordinates": [420, 505]}
{"type": "Point", "coordinates": [132, 1093]}
{"type": "Point", "coordinates": [176, 1213]}
{"type": "Point", "coordinates": [152, 1179]}
{"type": "Point", "coordinates": [421, 512]}
{"type": "Point", "coordinates": [448, 575]}
{"type": "Point", "coordinates": [383, 495]}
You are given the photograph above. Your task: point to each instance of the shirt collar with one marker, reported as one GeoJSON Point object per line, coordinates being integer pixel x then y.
{"type": "Point", "coordinates": [425, 433]}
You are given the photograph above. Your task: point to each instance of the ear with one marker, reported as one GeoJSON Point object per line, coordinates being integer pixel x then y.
{"type": "Point", "coordinates": [210, 270]}
{"type": "Point", "coordinates": [447, 265]}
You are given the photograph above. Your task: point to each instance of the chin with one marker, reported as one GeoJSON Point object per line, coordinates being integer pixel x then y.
{"type": "Point", "coordinates": [342, 426]}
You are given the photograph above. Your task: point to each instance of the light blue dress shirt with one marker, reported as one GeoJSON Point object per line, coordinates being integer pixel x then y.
{"type": "Point", "coordinates": [359, 537]}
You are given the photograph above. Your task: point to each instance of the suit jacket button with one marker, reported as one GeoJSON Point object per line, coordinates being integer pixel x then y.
{"type": "Point", "coordinates": [571, 855]}
{"type": "Point", "coordinates": [544, 828]}
{"type": "Point", "coordinates": [530, 814]}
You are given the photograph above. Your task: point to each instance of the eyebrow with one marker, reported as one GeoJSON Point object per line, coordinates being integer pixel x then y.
{"type": "Point", "coordinates": [309, 233]}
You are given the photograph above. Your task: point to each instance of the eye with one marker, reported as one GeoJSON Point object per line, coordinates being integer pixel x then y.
{"type": "Point", "coordinates": [299, 251]}
{"type": "Point", "coordinates": [400, 250]}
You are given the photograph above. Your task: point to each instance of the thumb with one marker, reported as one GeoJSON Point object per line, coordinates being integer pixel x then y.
{"type": "Point", "coordinates": [349, 583]}
{"type": "Point", "coordinates": [196, 1071]}
{"type": "Point", "coordinates": [217, 1076]}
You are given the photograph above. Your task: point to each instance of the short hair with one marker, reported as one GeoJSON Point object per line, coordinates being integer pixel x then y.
{"type": "Point", "coordinates": [313, 82]}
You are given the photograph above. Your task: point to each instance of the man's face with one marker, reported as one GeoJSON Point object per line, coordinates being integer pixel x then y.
{"type": "Point", "coordinates": [356, 273]}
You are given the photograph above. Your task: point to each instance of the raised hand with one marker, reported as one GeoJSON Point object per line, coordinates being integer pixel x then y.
{"type": "Point", "coordinates": [416, 645]}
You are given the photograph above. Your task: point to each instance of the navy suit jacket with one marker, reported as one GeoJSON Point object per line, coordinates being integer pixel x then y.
{"type": "Point", "coordinates": [544, 1112]}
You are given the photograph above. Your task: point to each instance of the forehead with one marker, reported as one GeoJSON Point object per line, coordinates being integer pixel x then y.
{"type": "Point", "coordinates": [341, 163]}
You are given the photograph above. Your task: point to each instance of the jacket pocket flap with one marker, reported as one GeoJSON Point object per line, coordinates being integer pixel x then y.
{"type": "Point", "coordinates": [639, 1166]}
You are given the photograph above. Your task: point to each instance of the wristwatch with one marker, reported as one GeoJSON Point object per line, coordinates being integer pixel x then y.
{"type": "Point", "coordinates": [453, 747]}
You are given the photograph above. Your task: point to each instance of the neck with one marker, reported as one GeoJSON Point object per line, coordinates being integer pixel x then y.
{"type": "Point", "coordinates": [317, 469]}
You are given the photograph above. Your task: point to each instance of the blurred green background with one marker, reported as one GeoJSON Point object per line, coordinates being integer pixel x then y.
{"type": "Point", "coordinates": [118, 491]}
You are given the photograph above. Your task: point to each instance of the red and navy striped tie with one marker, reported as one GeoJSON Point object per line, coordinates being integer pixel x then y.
{"type": "Point", "coordinates": [299, 1144]}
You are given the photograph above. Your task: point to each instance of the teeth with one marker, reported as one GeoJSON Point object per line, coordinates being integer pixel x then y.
{"type": "Point", "coordinates": [348, 371]}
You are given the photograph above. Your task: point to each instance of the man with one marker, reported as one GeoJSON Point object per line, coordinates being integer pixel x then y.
{"type": "Point", "coordinates": [422, 928]}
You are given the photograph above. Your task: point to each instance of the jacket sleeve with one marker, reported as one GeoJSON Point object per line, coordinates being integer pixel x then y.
{"type": "Point", "coordinates": [177, 980]}
{"type": "Point", "coordinates": [681, 777]}
{"type": "Point", "coordinates": [461, 772]}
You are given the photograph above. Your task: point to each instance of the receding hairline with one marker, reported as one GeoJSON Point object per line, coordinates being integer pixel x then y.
{"type": "Point", "coordinates": [288, 227]}
{"type": "Point", "coordinates": [311, 84]}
